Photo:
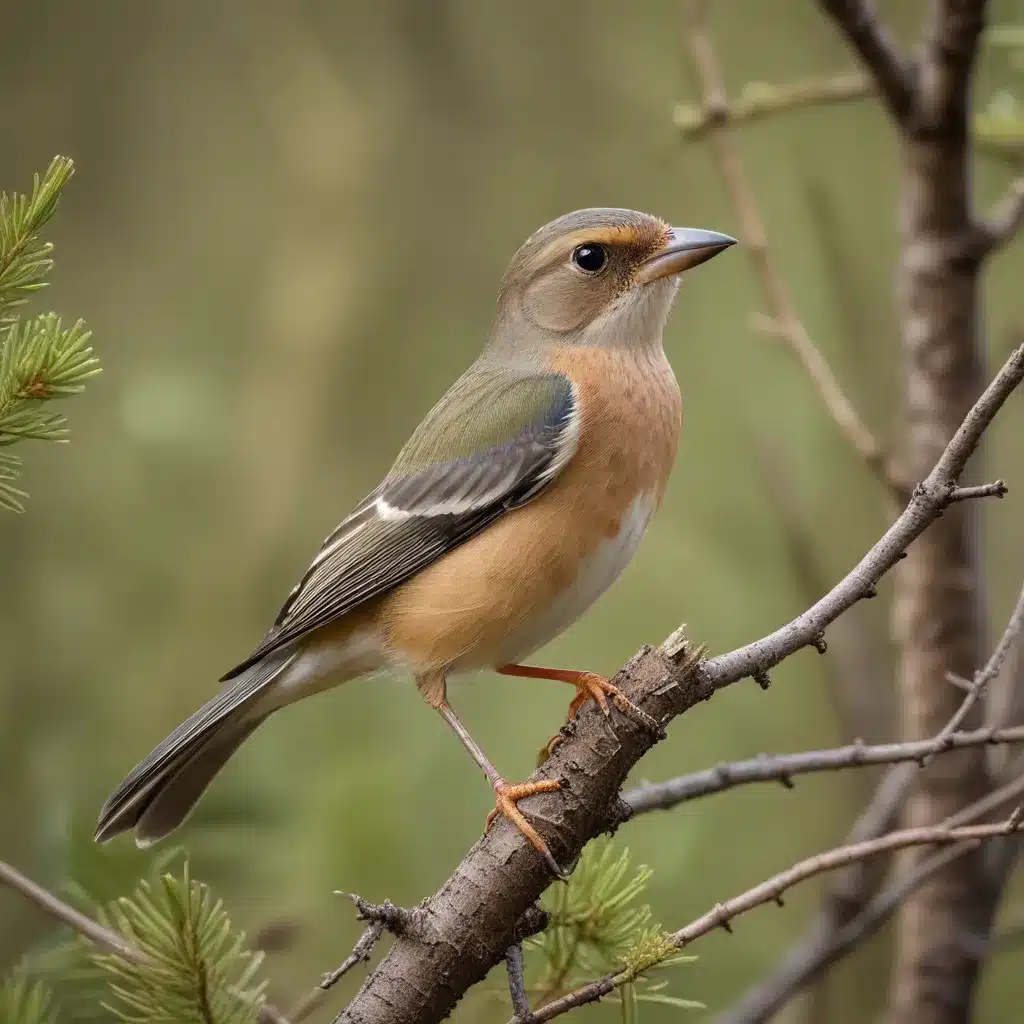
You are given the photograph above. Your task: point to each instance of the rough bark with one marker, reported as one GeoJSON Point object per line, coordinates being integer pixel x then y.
{"type": "Point", "coordinates": [937, 611]}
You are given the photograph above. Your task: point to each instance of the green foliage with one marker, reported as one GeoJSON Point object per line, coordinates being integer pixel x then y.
{"type": "Point", "coordinates": [200, 970]}
{"type": "Point", "coordinates": [597, 926]}
{"type": "Point", "coordinates": [23, 1001]}
{"type": "Point", "coordinates": [40, 360]}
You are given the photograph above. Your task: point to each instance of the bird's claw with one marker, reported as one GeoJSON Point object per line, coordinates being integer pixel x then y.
{"type": "Point", "coordinates": [591, 686]}
{"type": "Point", "coordinates": [507, 797]}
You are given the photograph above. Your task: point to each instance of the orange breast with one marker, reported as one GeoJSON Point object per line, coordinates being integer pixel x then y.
{"type": "Point", "coordinates": [497, 597]}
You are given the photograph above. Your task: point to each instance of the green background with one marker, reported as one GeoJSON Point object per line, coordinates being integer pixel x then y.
{"type": "Point", "coordinates": [286, 230]}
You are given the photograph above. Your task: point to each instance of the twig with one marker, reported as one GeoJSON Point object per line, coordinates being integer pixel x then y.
{"type": "Point", "coordinates": [361, 953]}
{"type": "Point", "coordinates": [828, 941]}
{"type": "Point", "coordinates": [996, 489]}
{"type": "Point", "coordinates": [516, 981]}
{"type": "Point", "coordinates": [872, 41]}
{"type": "Point", "coordinates": [772, 890]}
{"type": "Point", "coordinates": [847, 901]}
{"type": "Point", "coordinates": [1006, 218]}
{"type": "Point", "coordinates": [473, 916]}
{"type": "Point", "coordinates": [752, 232]}
{"type": "Point", "coordinates": [926, 504]}
{"type": "Point", "coordinates": [382, 917]}
{"type": "Point", "coordinates": [758, 100]}
{"type": "Point", "coordinates": [89, 929]}
{"type": "Point", "coordinates": [660, 796]}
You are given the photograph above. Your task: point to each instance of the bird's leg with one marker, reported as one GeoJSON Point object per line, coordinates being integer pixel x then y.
{"type": "Point", "coordinates": [589, 686]}
{"type": "Point", "coordinates": [507, 796]}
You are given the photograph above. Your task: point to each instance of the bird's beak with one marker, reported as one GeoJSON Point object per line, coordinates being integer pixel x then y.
{"type": "Point", "coordinates": [686, 248]}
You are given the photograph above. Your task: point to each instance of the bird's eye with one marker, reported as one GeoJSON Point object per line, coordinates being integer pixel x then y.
{"type": "Point", "coordinates": [590, 258]}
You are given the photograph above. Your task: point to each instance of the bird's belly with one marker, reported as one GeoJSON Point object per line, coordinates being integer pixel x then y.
{"type": "Point", "coordinates": [598, 571]}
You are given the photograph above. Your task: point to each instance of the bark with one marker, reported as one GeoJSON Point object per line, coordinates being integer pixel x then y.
{"type": "Point", "coordinates": [938, 609]}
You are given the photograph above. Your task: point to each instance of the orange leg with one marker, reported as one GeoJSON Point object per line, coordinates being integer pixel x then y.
{"type": "Point", "coordinates": [506, 795]}
{"type": "Point", "coordinates": [589, 686]}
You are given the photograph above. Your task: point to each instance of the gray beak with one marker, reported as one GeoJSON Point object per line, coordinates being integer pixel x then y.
{"type": "Point", "coordinates": [686, 248]}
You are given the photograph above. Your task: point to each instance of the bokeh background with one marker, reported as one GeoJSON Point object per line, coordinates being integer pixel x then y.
{"type": "Point", "coordinates": [286, 230]}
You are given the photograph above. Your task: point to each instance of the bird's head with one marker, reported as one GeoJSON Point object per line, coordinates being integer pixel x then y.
{"type": "Point", "coordinates": [598, 277]}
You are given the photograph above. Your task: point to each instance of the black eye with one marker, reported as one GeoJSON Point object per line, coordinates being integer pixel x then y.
{"type": "Point", "coordinates": [590, 258]}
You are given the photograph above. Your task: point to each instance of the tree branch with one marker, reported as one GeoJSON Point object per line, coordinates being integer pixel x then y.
{"type": "Point", "coordinates": [785, 319]}
{"type": "Point", "coordinates": [470, 922]}
{"type": "Point", "coordinates": [660, 796]}
{"type": "Point", "coordinates": [758, 100]}
{"type": "Point", "coordinates": [1006, 217]}
{"type": "Point", "coordinates": [516, 982]}
{"type": "Point", "coordinates": [773, 889]}
{"type": "Point", "coordinates": [824, 946]}
{"type": "Point", "coordinates": [89, 929]}
{"type": "Point", "coordinates": [869, 37]}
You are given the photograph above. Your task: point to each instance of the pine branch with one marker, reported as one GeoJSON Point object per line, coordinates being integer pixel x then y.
{"type": "Point", "coordinates": [25, 1002]}
{"type": "Point", "coordinates": [40, 360]}
{"type": "Point", "coordinates": [24, 259]}
{"type": "Point", "coordinates": [199, 970]}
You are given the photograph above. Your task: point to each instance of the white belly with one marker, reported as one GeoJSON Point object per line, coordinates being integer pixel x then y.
{"type": "Point", "coordinates": [598, 573]}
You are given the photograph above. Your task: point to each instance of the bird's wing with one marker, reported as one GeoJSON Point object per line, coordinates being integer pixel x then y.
{"type": "Point", "coordinates": [495, 440]}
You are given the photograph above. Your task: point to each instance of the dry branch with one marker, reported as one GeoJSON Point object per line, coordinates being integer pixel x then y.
{"type": "Point", "coordinates": [869, 37]}
{"type": "Point", "coordinates": [807, 960]}
{"type": "Point", "coordinates": [467, 926]}
{"type": "Point", "coordinates": [786, 322]}
{"type": "Point", "coordinates": [759, 100]}
{"type": "Point", "coordinates": [85, 926]}
{"type": "Point", "coordinates": [772, 890]}
{"type": "Point", "coordinates": [660, 796]}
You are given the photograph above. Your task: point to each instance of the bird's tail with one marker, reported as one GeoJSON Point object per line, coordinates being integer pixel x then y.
{"type": "Point", "coordinates": [161, 791]}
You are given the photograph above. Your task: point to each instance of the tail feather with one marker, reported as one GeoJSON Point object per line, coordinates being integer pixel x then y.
{"type": "Point", "coordinates": [159, 792]}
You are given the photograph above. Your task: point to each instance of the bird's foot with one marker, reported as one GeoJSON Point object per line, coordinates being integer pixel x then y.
{"type": "Point", "coordinates": [507, 797]}
{"type": "Point", "coordinates": [591, 686]}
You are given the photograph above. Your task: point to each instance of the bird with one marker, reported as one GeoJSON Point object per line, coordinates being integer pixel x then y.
{"type": "Point", "coordinates": [514, 505]}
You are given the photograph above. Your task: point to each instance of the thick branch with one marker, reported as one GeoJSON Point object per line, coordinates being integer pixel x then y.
{"type": "Point", "coordinates": [869, 37]}
{"type": "Point", "coordinates": [772, 890]}
{"type": "Point", "coordinates": [471, 921]}
{"type": "Point", "coordinates": [783, 314]}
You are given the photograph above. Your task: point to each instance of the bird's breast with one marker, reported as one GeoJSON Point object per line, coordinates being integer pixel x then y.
{"type": "Point", "coordinates": [532, 573]}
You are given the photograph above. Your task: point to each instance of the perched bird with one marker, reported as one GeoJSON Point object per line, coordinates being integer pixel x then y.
{"type": "Point", "coordinates": [513, 506]}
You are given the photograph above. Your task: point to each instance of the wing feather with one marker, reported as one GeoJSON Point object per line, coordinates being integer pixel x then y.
{"type": "Point", "coordinates": [507, 436]}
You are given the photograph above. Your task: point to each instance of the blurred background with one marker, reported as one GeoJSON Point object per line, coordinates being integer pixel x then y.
{"type": "Point", "coordinates": [286, 230]}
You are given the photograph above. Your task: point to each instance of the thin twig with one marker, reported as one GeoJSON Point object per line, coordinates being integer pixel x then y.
{"type": "Point", "coordinates": [996, 489]}
{"type": "Point", "coordinates": [516, 980]}
{"type": "Point", "coordinates": [382, 917]}
{"type": "Point", "coordinates": [89, 929]}
{"type": "Point", "coordinates": [773, 889]}
{"type": "Point", "coordinates": [752, 232]}
{"type": "Point", "coordinates": [872, 41]}
{"type": "Point", "coordinates": [758, 100]}
{"type": "Point", "coordinates": [1007, 216]}
{"type": "Point", "coordinates": [835, 931]}
{"type": "Point", "coordinates": [927, 502]}
{"type": "Point", "coordinates": [361, 953]}
{"type": "Point", "coordinates": [829, 940]}
{"type": "Point", "coordinates": [659, 796]}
